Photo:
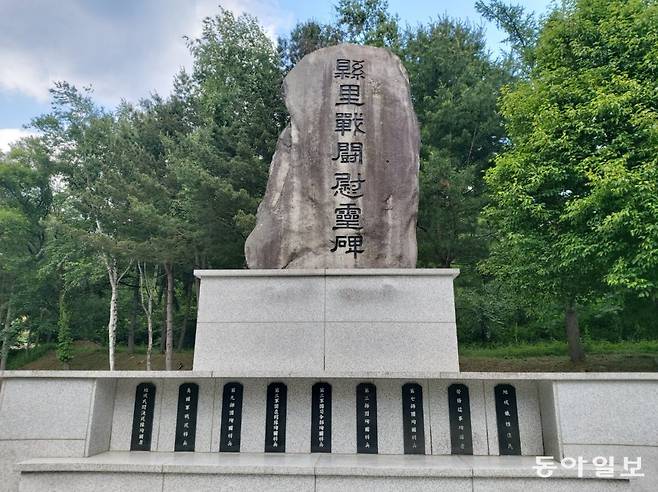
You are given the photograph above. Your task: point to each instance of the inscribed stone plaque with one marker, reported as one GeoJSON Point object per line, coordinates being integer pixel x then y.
{"type": "Point", "coordinates": [413, 421]}
{"type": "Point", "coordinates": [459, 405]}
{"type": "Point", "coordinates": [143, 417]}
{"type": "Point", "coordinates": [507, 418]}
{"type": "Point", "coordinates": [366, 418]}
{"type": "Point", "coordinates": [275, 424]}
{"type": "Point", "coordinates": [321, 418]}
{"type": "Point", "coordinates": [231, 427]}
{"type": "Point", "coordinates": [343, 184]}
{"type": "Point", "coordinates": [188, 400]}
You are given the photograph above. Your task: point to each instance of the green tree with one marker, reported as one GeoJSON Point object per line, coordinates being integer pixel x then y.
{"type": "Point", "coordinates": [305, 38]}
{"type": "Point", "coordinates": [522, 30]}
{"type": "Point", "coordinates": [96, 174]}
{"type": "Point", "coordinates": [25, 201]}
{"type": "Point", "coordinates": [367, 22]}
{"type": "Point", "coordinates": [64, 338]}
{"type": "Point", "coordinates": [454, 86]}
{"type": "Point", "coordinates": [575, 194]}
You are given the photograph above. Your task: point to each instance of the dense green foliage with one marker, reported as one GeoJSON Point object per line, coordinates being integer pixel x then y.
{"type": "Point", "coordinates": [64, 337]}
{"type": "Point", "coordinates": [577, 188]}
{"type": "Point", "coordinates": [539, 178]}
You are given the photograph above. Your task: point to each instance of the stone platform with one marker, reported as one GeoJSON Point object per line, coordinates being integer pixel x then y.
{"type": "Point", "coordinates": [169, 472]}
{"type": "Point", "coordinates": [334, 321]}
{"type": "Point", "coordinates": [87, 419]}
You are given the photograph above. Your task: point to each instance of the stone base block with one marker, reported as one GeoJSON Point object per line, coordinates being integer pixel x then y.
{"type": "Point", "coordinates": [309, 321]}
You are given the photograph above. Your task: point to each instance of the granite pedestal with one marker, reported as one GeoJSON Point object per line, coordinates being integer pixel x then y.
{"type": "Point", "coordinates": [339, 321]}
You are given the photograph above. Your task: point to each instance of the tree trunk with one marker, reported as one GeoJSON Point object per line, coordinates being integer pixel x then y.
{"type": "Point", "coordinates": [112, 324]}
{"type": "Point", "coordinates": [6, 338]}
{"type": "Point", "coordinates": [149, 345]}
{"type": "Point", "coordinates": [146, 294]}
{"type": "Point", "coordinates": [133, 320]}
{"type": "Point", "coordinates": [181, 338]}
{"type": "Point", "coordinates": [576, 351]}
{"type": "Point", "coordinates": [163, 328]}
{"type": "Point", "coordinates": [169, 321]}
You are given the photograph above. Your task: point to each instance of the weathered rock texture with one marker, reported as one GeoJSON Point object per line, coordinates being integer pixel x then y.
{"type": "Point", "coordinates": [345, 173]}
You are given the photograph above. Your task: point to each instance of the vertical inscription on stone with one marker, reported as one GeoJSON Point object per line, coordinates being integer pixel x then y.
{"type": "Point", "coordinates": [366, 418]}
{"type": "Point", "coordinates": [188, 400]}
{"type": "Point", "coordinates": [507, 417]}
{"type": "Point", "coordinates": [413, 421]}
{"type": "Point", "coordinates": [461, 439]}
{"type": "Point", "coordinates": [143, 417]}
{"type": "Point", "coordinates": [321, 418]}
{"type": "Point", "coordinates": [275, 425]}
{"type": "Point", "coordinates": [231, 427]}
{"type": "Point", "coordinates": [347, 157]}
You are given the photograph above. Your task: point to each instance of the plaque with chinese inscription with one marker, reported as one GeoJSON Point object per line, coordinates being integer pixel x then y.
{"type": "Point", "coordinates": [188, 401]}
{"type": "Point", "coordinates": [231, 426]}
{"type": "Point", "coordinates": [413, 422]}
{"type": "Point", "coordinates": [321, 418]}
{"type": "Point", "coordinates": [275, 425]}
{"type": "Point", "coordinates": [507, 418]}
{"type": "Point", "coordinates": [459, 408]}
{"type": "Point", "coordinates": [143, 417]}
{"type": "Point", "coordinates": [366, 418]}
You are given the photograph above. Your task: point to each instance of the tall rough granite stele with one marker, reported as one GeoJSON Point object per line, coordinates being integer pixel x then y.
{"type": "Point", "coordinates": [343, 184]}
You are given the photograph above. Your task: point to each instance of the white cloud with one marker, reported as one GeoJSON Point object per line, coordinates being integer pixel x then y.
{"type": "Point", "coordinates": [123, 48]}
{"type": "Point", "coordinates": [10, 135]}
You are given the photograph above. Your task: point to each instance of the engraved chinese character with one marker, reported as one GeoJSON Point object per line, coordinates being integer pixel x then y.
{"type": "Point", "coordinates": [357, 70]}
{"type": "Point", "coordinates": [344, 123]}
{"type": "Point", "coordinates": [342, 69]}
{"type": "Point", "coordinates": [348, 216]}
{"type": "Point", "coordinates": [349, 94]}
{"type": "Point", "coordinates": [347, 152]}
{"type": "Point", "coordinates": [353, 244]}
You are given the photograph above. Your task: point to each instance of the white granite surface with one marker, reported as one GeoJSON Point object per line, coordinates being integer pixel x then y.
{"type": "Point", "coordinates": [99, 430]}
{"type": "Point", "coordinates": [612, 412]}
{"type": "Point", "coordinates": [29, 409]}
{"type": "Point", "coordinates": [323, 322]}
{"type": "Point", "coordinates": [449, 375]}
{"type": "Point", "coordinates": [378, 347]}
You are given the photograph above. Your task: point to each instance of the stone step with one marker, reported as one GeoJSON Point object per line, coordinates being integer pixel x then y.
{"type": "Point", "coordinates": [159, 471]}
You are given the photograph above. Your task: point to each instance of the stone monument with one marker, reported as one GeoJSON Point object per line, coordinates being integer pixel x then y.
{"type": "Point", "coordinates": [330, 364]}
{"type": "Point", "coordinates": [332, 284]}
{"type": "Point", "coordinates": [343, 185]}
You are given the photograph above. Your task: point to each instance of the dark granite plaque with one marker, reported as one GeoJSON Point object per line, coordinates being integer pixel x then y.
{"type": "Point", "coordinates": [275, 424]}
{"type": "Point", "coordinates": [231, 427]}
{"type": "Point", "coordinates": [143, 417]}
{"type": "Point", "coordinates": [188, 401]}
{"type": "Point", "coordinates": [413, 422]}
{"type": "Point", "coordinates": [507, 418]}
{"type": "Point", "coordinates": [321, 418]}
{"type": "Point", "coordinates": [459, 406]}
{"type": "Point", "coordinates": [366, 418]}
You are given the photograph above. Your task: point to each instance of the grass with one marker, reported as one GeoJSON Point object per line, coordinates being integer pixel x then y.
{"type": "Point", "coordinates": [552, 356]}
{"type": "Point", "coordinates": [558, 348]}
{"type": "Point", "coordinates": [641, 356]}
{"type": "Point", "coordinates": [19, 358]}
{"type": "Point", "coordinates": [89, 356]}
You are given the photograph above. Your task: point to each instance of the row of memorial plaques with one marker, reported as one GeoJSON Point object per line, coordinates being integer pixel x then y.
{"type": "Point", "coordinates": [366, 418]}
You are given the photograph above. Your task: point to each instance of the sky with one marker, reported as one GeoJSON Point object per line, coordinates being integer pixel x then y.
{"type": "Point", "coordinates": [128, 49]}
